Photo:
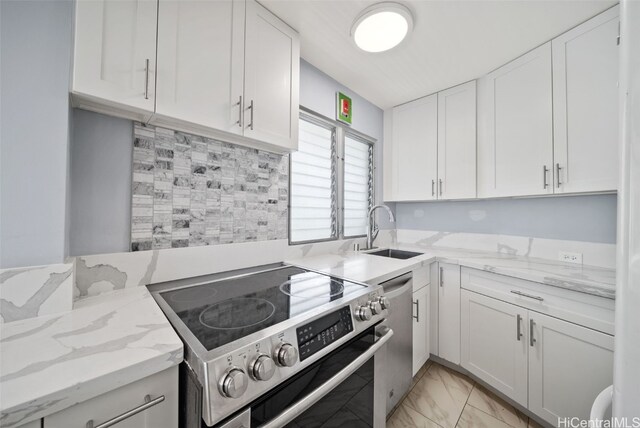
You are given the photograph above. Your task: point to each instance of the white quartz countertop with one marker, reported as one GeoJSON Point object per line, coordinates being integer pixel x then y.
{"type": "Point", "coordinates": [52, 362]}
{"type": "Point", "coordinates": [363, 267]}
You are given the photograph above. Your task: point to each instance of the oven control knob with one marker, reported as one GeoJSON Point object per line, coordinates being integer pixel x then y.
{"type": "Point", "coordinates": [363, 313]}
{"type": "Point", "coordinates": [384, 302]}
{"type": "Point", "coordinates": [375, 307]}
{"type": "Point", "coordinates": [262, 367]}
{"type": "Point", "coordinates": [234, 383]}
{"type": "Point", "coordinates": [285, 355]}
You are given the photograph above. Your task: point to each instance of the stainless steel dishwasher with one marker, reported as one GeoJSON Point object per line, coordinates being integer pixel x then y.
{"type": "Point", "coordinates": [400, 350]}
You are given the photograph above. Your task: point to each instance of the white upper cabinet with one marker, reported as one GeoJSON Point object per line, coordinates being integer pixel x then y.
{"type": "Point", "coordinates": [515, 138]}
{"type": "Point", "coordinates": [226, 69]}
{"type": "Point", "coordinates": [433, 147]}
{"type": "Point", "coordinates": [200, 63]}
{"type": "Point", "coordinates": [414, 151]}
{"type": "Point", "coordinates": [457, 142]}
{"type": "Point", "coordinates": [115, 56]}
{"type": "Point", "coordinates": [271, 81]}
{"type": "Point", "coordinates": [585, 106]}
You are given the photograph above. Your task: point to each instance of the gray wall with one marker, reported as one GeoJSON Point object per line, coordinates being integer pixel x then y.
{"type": "Point", "coordinates": [35, 55]}
{"type": "Point", "coordinates": [318, 93]}
{"type": "Point", "coordinates": [578, 218]}
{"type": "Point", "coordinates": [100, 200]}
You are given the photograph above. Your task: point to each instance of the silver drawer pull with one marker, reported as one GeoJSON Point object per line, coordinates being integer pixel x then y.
{"type": "Point", "coordinates": [239, 122]}
{"type": "Point", "coordinates": [417, 317]}
{"type": "Point", "coordinates": [532, 340]}
{"type": "Point", "coordinates": [518, 332]}
{"type": "Point", "coordinates": [148, 402]}
{"type": "Point", "coordinates": [146, 79]}
{"type": "Point", "coordinates": [520, 293]}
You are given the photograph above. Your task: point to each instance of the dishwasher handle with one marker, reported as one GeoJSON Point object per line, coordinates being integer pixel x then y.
{"type": "Point", "coordinates": [398, 285]}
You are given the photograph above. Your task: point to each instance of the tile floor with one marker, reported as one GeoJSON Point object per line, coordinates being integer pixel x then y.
{"type": "Point", "coordinates": [443, 398]}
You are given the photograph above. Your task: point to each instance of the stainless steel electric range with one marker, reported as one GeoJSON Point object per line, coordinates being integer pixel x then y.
{"type": "Point", "coordinates": [279, 346]}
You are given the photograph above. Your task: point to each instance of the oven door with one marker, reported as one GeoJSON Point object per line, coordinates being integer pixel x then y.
{"type": "Point", "coordinates": [345, 388]}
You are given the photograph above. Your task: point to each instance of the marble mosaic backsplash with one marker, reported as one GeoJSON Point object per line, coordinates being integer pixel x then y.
{"type": "Point", "coordinates": [193, 191]}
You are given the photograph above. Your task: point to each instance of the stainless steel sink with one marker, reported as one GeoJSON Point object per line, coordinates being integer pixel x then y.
{"type": "Point", "coordinates": [395, 254]}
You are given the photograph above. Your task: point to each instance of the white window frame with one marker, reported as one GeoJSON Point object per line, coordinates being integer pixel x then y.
{"type": "Point", "coordinates": [340, 131]}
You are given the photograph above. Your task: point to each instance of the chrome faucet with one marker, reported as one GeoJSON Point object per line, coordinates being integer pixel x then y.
{"type": "Point", "coordinates": [372, 231]}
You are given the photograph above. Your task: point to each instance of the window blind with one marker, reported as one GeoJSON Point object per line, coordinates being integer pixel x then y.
{"type": "Point", "coordinates": [358, 185]}
{"type": "Point", "coordinates": [313, 184]}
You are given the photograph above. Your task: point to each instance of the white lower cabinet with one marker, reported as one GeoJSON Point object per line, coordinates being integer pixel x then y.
{"type": "Point", "coordinates": [161, 388]}
{"type": "Point", "coordinates": [552, 367]}
{"type": "Point", "coordinates": [568, 367]}
{"type": "Point", "coordinates": [420, 328]}
{"type": "Point", "coordinates": [494, 343]}
{"type": "Point", "coordinates": [449, 312]}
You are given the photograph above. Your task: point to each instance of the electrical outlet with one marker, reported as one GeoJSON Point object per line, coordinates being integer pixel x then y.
{"type": "Point", "coordinates": [568, 257]}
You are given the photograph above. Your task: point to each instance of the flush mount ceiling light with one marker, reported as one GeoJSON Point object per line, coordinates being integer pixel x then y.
{"type": "Point", "coordinates": [381, 27]}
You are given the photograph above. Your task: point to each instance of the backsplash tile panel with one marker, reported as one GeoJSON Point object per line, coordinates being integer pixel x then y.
{"type": "Point", "coordinates": [192, 191]}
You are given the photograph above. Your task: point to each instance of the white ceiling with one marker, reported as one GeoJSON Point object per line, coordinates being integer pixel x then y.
{"type": "Point", "coordinates": [453, 41]}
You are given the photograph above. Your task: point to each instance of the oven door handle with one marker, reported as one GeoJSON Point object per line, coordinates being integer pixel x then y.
{"type": "Point", "coordinates": [295, 410]}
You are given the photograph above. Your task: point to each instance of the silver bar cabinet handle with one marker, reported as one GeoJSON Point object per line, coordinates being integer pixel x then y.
{"type": "Point", "coordinates": [239, 122]}
{"type": "Point", "coordinates": [148, 402]}
{"type": "Point", "coordinates": [520, 293]}
{"type": "Point", "coordinates": [518, 332]}
{"type": "Point", "coordinates": [558, 168]}
{"type": "Point", "coordinates": [544, 176]}
{"type": "Point", "coordinates": [146, 79]}
{"type": "Point", "coordinates": [251, 108]}
{"type": "Point", "coordinates": [441, 275]}
{"type": "Point", "coordinates": [433, 187]}
{"type": "Point", "coordinates": [532, 340]}
{"type": "Point", "coordinates": [440, 185]}
{"type": "Point", "coordinates": [417, 317]}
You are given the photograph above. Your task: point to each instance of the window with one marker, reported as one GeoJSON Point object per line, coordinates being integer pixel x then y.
{"type": "Point", "coordinates": [358, 185]}
{"type": "Point", "coordinates": [331, 174]}
{"type": "Point", "coordinates": [313, 184]}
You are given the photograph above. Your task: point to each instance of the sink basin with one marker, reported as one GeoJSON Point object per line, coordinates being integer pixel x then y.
{"type": "Point", "coordinates": [395, 254]}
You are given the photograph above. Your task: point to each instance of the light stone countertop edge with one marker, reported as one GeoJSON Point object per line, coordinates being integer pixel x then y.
{"type": "Point", "coordinates": [50, 363]}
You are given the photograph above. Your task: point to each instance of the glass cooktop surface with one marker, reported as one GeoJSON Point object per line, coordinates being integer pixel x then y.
{"type": "Point", "coordinates": [222, 311]}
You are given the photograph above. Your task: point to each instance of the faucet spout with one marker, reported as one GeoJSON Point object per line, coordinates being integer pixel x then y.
{"type": "Point", "coordinates": [372, 231]}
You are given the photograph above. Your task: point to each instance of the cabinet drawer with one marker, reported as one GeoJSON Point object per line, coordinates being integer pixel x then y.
{"type": "Point", "coordinates": [579, 308]}
{"type": "Point", "coordinates": [119, 401]}
{"type": "Point", "coordinates": [421, 277]}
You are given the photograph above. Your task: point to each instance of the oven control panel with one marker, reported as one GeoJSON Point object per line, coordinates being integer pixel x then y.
{"type": "Point", "coordinates": [324, 331]}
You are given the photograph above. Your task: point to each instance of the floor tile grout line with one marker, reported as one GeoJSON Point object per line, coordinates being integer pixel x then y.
{"type": "Point", "coordinates": [465, 403]}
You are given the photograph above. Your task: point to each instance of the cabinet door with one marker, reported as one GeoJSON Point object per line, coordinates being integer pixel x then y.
{"type": "Point", "coordinates": [515, 145]}
{"type": "Point", "coordinates": [585, 98]}
{"type": "Point", "coordinates": [115, 52]}
{"type": "Point", "coordinates": [494, 343]}
{"type": "Point", "coordinates": [457, 142]}
{"type": "Point", "coordinates": [271, 85]}
{"type": "Point", "coordinates": [449, 313]}
{"type": "Point", "coordinates": [420, 328]}
{"type": "Point", "coordinates": [415, 149]}
{"type": "Point", "coordinates": [114, 403]}
{"type": "Point", "coordinates": [200, 62]}
{"type": "Point", "coordinates": [568, 367]}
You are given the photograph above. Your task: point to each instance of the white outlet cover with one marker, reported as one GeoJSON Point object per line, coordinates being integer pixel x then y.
{"type": "Point", "coordinates": [565, 256]}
